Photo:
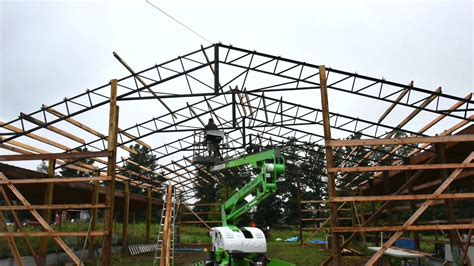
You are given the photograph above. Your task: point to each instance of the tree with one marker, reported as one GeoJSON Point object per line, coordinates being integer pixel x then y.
{"type": "Point", "coordinates": [145, 158]}
{"type": "Point", "coordinates": [306, 162]}
{"type": "Point", "coordinates": [42, 167]}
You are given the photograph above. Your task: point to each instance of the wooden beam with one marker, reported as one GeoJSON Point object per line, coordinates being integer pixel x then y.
{"type": "Point", "coordinates": [466, 246]}
{"type": "Point", "coordinates": [50, 156]}
{"type": "Point", "coordinates": [14, 149]}
{"type": "Point", "coordinates": [148, 217]}
{"type": "Point", "coordinates": [247, 98]}
{"type": "Point", "coordinates": [201, 213]}
{"type": "Point", "coordinates": [55, 180]}
{"type": "Point", "coordinates": [94, 214]}
{"type": "Point", "coordinates": [450, 110]}
{"type": "Point", "coordinates": [86, 128]}
{"type": "Point", "coordinates": [134, 138]}
{"type": "Point", "coordinates": [445, 133]}
{"type": "Point", "coordinates": [111, 171]}
{"type": "Point", "coordinates": [392, 141]}
{"type": "Point", "coordinates": [404, 197]}
{"type": "Point", "coordinates": [416, 236]}
{"type": "Point", "coordinates": [418, 109]}
{"type": "Point", "coordinates": [48, 200]}
{"type": "Point", "coordinates": [300, 214]}
{"type": "Point", "coordinates": [399, 98]}
{"type": "Point", "coordinates": [143, 83]}
{"type": "Point", "coordinates": [203, 169]}
{"type": "Point", "coordinates": [203, 204]}
{"type": "Point", "coordinates": [73, 121]}
{"type": "Point", "coordinates": [143, 168]}
{"type": "Point", "coordinates": [126, 214]}
{"type": "Point", "coordinates": [52, 128]}
{"type": "Point", "coordinates": [53, 207]}
{"type": "Point", "coordinates": [34, 136]}
{"type": "Point", "coordinates": [196, 215]}
{"type": "Point", "coordinates": [336, 251]}
{"type": "Point", "coordinates": [314, 201]}
{"type": "Point", "coordinates": [418, 213]}
{"type": "Point", "coordinates": [431, 227]}
{"type": "Point", "coordinates": [55, 235]}
{"type": "Point", "coordinates": [199, 222]}
{"type": "Point", "coordinates": [401, 167]}
{"type": "Point", "coordinates": [165, 244]}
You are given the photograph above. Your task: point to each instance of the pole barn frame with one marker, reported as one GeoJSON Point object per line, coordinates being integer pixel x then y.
{"type": "Point", "coordinates": [221, 79]}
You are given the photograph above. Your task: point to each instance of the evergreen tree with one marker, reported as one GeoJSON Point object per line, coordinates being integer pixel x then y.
{"type": "Point", "coordinates": [305, 162]}
{"type": "Point", "coordinates": [143, 157]}
{"type": "Point", "coordinates": [42, 167]}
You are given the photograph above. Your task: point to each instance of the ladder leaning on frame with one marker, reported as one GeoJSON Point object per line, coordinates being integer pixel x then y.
{"type": "Point", "coordinates": [166, 229]}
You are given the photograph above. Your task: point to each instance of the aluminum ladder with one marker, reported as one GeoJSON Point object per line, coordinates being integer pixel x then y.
{"type": "Point", "coordinates": [159, 239]}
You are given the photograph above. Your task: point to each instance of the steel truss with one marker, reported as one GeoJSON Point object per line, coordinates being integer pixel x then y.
{"type": "Point", "coordinates": [243, 91]}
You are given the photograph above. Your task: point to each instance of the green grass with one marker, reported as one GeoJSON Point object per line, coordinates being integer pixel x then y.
{"type": "Point", "coordinates": [194, 235]}
{"type": "Point", "coordinates": [291, 252]}
{"type": "Point", "coordinates": [294, 253]}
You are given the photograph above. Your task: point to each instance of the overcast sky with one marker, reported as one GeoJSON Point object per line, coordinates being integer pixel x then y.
{"type": "Point", "coordinates": [56, 49]}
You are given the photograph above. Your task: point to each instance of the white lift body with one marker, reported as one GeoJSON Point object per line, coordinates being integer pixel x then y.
{"type": "Point", "coordinates": [251, 241]}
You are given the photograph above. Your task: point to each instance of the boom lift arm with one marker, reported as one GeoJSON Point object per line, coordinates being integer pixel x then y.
{"type": "Point", "coordinates": [270, 164]}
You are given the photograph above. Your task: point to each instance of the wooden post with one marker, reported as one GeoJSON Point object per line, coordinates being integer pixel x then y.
{"type": "Point", "coordinates": [336, 251]}
{"type": "Point", "coordinates": [165, 244]}
{"type": "Point", "coordinates": [95, 200]}
{"type": "Point", "coordinates": [454, 240]}
{"type": "Point", "coordinates": [111, 165]}
{"type": "Point", "coordinates": [416, 237]}
{"type": "Point", "coordinates": [48, 200]}
{"type": "Point", "coordinates": [298, 196]}
{"type": "Point", "coordinates": [354, 217]}
{"type": "Point", "coordinates": [126, 204]}
{"type": "Point", "coordinates": [386, 191]}
{"type": "Point", "coordinates": [362, 218]}
{"type": "Point", "coordinates": [371, 193]}
{"type": "Point", "coordinates": [148, 217]}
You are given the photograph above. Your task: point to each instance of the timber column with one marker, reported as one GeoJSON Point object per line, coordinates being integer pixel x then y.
{"type": "Point", "coordinates": [148, 217]}
{"type": "Point", "coordinates": [48, 200]}
{"type": "Point", "coordinates": [336, 251]}
{"type": "Point", "coordinates": [94, 213]}
{"type": "Point", "coordinates": [126, 208]}
{"type": "Point", "coordinates": [111, 165]}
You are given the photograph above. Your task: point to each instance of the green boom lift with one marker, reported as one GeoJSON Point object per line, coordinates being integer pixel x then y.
{"type": "Point", "coordinates": [245, 246]}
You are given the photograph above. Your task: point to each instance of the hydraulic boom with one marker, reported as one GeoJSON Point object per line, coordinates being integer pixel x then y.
{"type": "Point", "coordinates": [270, 164]}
